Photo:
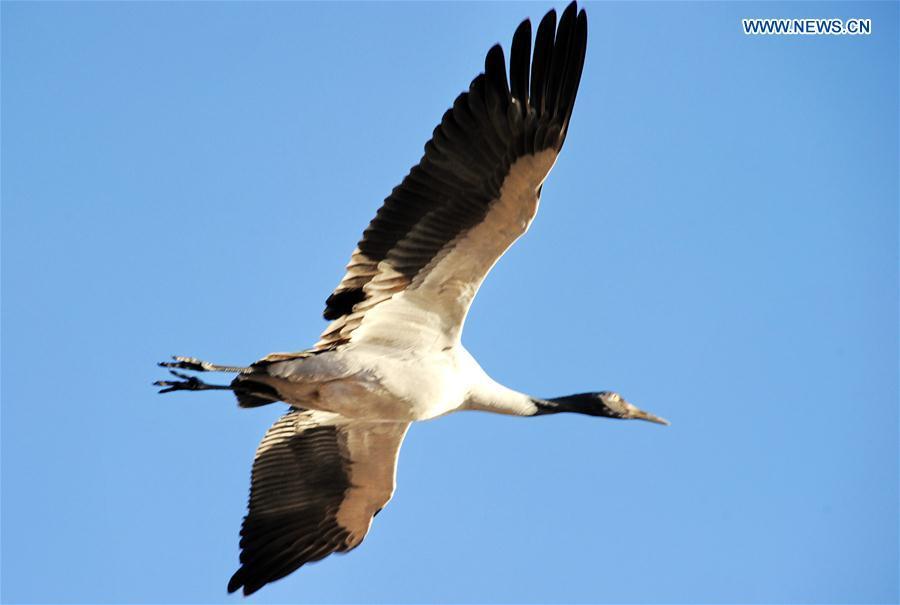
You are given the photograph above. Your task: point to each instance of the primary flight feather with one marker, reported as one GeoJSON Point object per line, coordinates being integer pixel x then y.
{"type": "Point", "coordinates": [392, 353]}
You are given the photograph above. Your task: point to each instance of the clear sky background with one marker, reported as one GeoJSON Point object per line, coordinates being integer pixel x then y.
{"type": "Point", "coordinates": [718, 242]}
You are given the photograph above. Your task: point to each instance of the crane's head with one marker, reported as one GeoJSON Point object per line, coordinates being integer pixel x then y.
{"type": "Point", "coordinates": [604, 403]}
{"type": "Point", "coordinates": [613, 405]}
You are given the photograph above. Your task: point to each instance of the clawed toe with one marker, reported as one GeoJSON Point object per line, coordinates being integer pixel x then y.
{"type": "Point", "coordinates": [188, 383]}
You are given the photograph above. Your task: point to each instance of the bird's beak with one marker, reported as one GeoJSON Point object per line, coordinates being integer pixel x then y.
{"type": "Point", "coordinates": [640, 414]}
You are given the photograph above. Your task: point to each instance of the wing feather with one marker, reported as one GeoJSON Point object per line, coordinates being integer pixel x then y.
{"type": "Point", "coordinates": [519, 56]}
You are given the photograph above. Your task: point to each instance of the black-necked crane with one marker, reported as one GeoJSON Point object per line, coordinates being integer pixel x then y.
{"type": "Point", "coordinates": [392, 353]}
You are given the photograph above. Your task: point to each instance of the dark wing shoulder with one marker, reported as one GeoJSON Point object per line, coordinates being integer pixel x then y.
{"type": "Point", "coordinates": [489, 127]}
{"type": "Point", "coordinates": [317, 481]}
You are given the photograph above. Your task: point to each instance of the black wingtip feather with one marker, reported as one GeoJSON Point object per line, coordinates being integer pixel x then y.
{"type": "Point", "coordinates": [236, 581]}
{"type": "Point", "coordinates": [561, 60]}
{"type": "Point", "coordinates": [495, 71]}
{"type": "Point", "coordinates": [573, 72]}
{"type": "Point", "coordinates": [519, 63]}
{"type": "Point", "coordinates": [540, 62]}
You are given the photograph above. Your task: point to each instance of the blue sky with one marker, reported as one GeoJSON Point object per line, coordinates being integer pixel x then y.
{"type": "Point", "coordinates": [718, 242]}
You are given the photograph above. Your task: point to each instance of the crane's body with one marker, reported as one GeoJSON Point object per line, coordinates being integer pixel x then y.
{"type": "Point", "coordinates": [385, 390]}
{"type": "Point", "coordinates": [392, 354]}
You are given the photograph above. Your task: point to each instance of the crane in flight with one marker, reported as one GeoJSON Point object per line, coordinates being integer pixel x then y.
{"type": "Point", "coordinates": [392, 354]}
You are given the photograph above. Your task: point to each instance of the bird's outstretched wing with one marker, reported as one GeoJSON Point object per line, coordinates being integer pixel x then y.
{"type": "Point", "coordinates": [318, 479]}
{"type": "Point", "coordinates": [475, 191]}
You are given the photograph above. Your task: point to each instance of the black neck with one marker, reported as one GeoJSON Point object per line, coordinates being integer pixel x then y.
{"type": "Point", "coordinates": [582, 403]}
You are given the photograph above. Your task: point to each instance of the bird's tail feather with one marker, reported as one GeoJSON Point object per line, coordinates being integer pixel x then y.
{"type": "Point", "coordinates": [253, 394]}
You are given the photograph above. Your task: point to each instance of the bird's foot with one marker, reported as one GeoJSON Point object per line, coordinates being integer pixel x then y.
{"type": "Point", "coordinates": [187, 383]}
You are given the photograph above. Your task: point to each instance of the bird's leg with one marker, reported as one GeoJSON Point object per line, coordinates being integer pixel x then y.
{"type": "Point", "coordinates": [196, 365]}
{"type": "Point", "coordinates": [188, 383]}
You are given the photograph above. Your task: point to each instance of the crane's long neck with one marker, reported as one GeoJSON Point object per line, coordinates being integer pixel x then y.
{"type": "Point", "coordinates": [491, 396]}
{"type": "Point", "coordinates": [487, 395]}
{"type": "Point", "coordinates": [494, 397]}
